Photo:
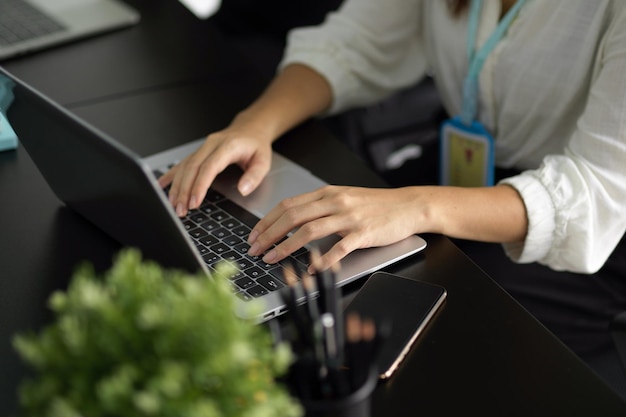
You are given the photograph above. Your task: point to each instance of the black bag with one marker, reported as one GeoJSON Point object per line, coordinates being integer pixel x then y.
{"type": "Point", "coordinates": [398, 137]}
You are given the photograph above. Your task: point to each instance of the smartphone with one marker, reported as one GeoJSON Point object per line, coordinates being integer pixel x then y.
{"type": "Point", "coordinates": [404, 304]}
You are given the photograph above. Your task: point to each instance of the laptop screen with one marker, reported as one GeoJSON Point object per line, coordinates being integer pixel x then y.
{"type": "Point", "coordinates": [97, 177]}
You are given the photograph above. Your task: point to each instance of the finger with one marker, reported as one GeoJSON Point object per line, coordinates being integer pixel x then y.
{"type": "Point", "coordinates": [308, 232]}
{"type": "Point", "coordinates": [295, 209]}
{"type": "Point", "coordinates": [177, 175]}
{"type": "Point", "coordinates": [280, 221]}
{"type": "Point", "coordinates": [255, 168]}
{"type": "Point", "coordinates": [198, 171]}
{"type": "Point", "coordinates": [254, 172]}
{"type": "Point", "coordinates": [338, 252]}
{"type": "Point", "coordinates": [180, 189]}
{"type": "Point", "coordinates": [166, 179]}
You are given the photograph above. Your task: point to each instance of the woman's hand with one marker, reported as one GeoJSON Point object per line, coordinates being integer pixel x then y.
{"type": "Point", "coordinates": [366, 217]}
{"type": "Point", "coordinates": [362, 217]}
{"type": "Point", "coordinates": [296, 94]}
{"type": "Point", "coordinates": [238, 144]}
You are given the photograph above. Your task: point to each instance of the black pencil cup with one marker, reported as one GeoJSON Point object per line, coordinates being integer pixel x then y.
{"type": "Point", "coordinates": [355, 404]}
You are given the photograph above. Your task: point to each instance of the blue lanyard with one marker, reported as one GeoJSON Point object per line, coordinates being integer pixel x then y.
{"type": "Point", "coordinates": [477, 58]}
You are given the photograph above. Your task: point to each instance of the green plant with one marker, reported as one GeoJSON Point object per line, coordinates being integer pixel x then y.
{"type": "Point", "coordinates": [145, 341]}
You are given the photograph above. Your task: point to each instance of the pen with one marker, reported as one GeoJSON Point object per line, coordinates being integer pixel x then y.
{"type": "Point", "coordinates": [335, 374]}
{"type": "Point", "coordinates": [315, 323]}
{"type": "Point", "coordinates": [329, 299]}
{"type": "Point", "coordinates": [335, 354]}
{"type": "Point", "coordinates": [290, 296]}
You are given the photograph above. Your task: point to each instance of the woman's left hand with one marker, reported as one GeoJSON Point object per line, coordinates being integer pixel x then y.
{"type": "Point", "coordinates": [362, 217]}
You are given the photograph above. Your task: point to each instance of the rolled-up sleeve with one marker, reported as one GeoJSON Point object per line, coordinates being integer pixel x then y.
{"type": "Point", "coordinates": [366, 50]}
{"type": "Point", "coordinates": [576, 201]}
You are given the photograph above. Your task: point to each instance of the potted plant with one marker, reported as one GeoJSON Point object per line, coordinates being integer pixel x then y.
{"type": "Point", "coordinates": [145, 341]}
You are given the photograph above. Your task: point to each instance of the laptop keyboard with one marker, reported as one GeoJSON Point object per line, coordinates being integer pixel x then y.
{"type": "Point", "coordinates": [20, 21]}
{"type": "Point", "coordinates": [220, 229]}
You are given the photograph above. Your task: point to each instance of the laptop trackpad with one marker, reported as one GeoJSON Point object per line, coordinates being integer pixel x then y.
{"type": "Point", "coordinates": [277, 186]}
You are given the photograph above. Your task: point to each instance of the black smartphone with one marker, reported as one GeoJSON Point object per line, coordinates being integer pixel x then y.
{"type": "Point", "coordinates": [404, 304]}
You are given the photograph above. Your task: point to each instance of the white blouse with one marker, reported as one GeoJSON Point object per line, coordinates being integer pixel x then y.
{"type": "Point", "coordinates": [553, 93]}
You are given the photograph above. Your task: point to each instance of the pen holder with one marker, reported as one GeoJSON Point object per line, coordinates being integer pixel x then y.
{"type": "Point", "coordinates": [354, 404]}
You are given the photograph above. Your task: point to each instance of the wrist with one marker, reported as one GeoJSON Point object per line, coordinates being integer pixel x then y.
{"type": "Point", "coordinates": [259, 125]}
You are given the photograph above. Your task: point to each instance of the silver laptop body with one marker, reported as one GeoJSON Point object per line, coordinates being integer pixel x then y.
{"type": "Point", "coordinates": [31, 25]}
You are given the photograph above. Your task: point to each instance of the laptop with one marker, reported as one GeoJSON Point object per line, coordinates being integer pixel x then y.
{"type": "Point", "coordinates": [30, 25]}
{"type": "Point", "coordinates": [118, 191]}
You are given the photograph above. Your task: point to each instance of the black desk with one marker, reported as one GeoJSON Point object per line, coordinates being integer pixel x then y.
{"type": "Point", "coordinates": [172, 79]}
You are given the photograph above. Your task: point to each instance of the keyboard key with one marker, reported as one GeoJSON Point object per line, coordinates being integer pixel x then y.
{"type": "Point", "coordinates": [197, 232]}
{"type": "Point", "coordinates": [243, 263]}
{"type": "Point", "coordinates": [241, 231]}
{"type": "Point", "coordinates": [302, 255]}
{"type": "Point", "coordinates": [279, 273]}
{"type": "Point", "coordinates": [197, 218]}
{"type": "Point", "coordinates": [210, 225]}
{"type": "Point", "coordinates": [272, 284]}
{"type": "Point", "coordinates": [211, 258]}
{"type": "Point", "coordinates": [208, 240]}
{"type": "Point", "coordinates": [254, 272]}
{"type": "Point", "coordinates": [239, 213]}
{"type": "Point", "coordinates": [219, 248]}
{"type": "Point", "coordinates": [257, 291]}
{"type": "Point", "coordinates": [232, 241]}
{"type": "Point", "coordinates": [231, 255]}
{"type": "Point", "coordinates": [242, 248]}
{"type": "Point", "coordinates": [244, 295]}
{"type": "Point", "coordinates": [219, 216]}
{"type": "Point", "coordinates": [213, 196]}
{"type": "Point", "coordinates": [264, 265]}
{"type": "Point", "coordinates": [236, 274]}
{"type": "Point", "coordinates": [230, 223]}
{"type": "Point", "coordinates": [201, 248]}
{"type": "Point", "coordinates": [208, 208]}
{"type": "Point", "coordinates": [245, 283]}
{"type": "Point", "coordinates": [220, 233]}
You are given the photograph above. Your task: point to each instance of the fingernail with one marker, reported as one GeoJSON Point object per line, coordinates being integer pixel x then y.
{"type": "Point", "coordinates": [269, 256]}
{"type": "Point", "coordinates": [180, 210]}
{"type": "Point", "coordinates": [252, 236]}
{"type": "Point", "coordinates": [254, 249]}
{"type": "Point", "coordinates": [245, 188]}
{"type": "Point", "coordinates": [192, 201]}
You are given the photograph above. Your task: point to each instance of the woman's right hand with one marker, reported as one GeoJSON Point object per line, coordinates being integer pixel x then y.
{"type": "Point", "coordinates": [296, 94]}
{"type": "Point", "coordinates": [240, 144]}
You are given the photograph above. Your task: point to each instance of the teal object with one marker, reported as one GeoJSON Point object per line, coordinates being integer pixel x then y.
{"type": "Point", "coordinates": [8, 138]}
{"type": "Point", "coordinates": [477, 58]}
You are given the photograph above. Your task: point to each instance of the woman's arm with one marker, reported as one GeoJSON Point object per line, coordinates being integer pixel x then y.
{"type": "Point", "coordinates": [489, 214]}
{"type": "Point", "coordinates": [297, 93]}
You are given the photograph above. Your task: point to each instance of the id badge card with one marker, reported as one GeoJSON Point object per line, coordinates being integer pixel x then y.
{"type": "Point", "coordinates": [467, 154]}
